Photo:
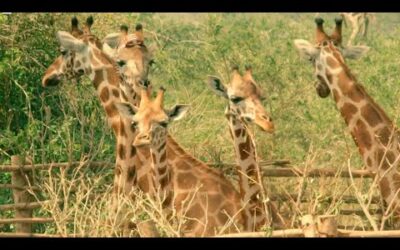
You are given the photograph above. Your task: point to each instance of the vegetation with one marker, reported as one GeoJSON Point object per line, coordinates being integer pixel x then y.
{"type": "Point", "coordinates": [67, 123]}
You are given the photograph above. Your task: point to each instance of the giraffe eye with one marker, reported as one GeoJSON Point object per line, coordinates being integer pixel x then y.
{"type": "Point", "coordinates": [63, 52]}
{"type": "Point", "coordinates": [236, 99]}
{"type": "Point", "coordinates": [121, 63]}
{"type": "Point", "coordinates": [163, 124]}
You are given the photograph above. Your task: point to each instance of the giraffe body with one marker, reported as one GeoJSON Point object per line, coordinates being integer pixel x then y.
{"type": "Point", "coordinates": [200, 194]}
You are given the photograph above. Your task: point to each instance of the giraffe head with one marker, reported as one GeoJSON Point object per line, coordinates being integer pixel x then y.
{"type": "Point", "coordinates": [150, 118]}
{"type": "Point", "coordinates": [328, 54]}
{"type": "Point", "coordinates": [74, 51]}
{"type": "Point", "coordinates": [244, 97]}
{"type": "Point", "coordinates": [131, 54]}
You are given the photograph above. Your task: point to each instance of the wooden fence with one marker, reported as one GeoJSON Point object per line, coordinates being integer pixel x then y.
{"type": "Point", "coordinates": [22, 186]}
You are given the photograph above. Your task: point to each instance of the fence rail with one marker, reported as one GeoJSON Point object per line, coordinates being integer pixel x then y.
{"type": "Point", "coordinates": [24, 204]}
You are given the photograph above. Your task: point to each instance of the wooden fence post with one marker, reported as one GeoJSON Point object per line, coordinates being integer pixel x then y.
{"type": "Point", "coordinates": [21, 178]}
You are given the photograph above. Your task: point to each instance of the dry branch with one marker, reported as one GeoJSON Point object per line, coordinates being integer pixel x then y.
{"type": "Point", "coordinates": [299, 233]}
{"type": "Point", "coordinates": [291, 172]}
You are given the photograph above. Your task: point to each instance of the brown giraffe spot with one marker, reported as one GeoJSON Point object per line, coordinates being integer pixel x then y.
{"type": "Point", "coordinates": [84, 60]}
{"type": "Point", "coordinates": [345, 84]}
{"type": "Point", "coordinates": [98, 78]}
{"type": "Point", "coordinates": [245, 149]}
{"type": "Point", "coordinates": [331, 62]}
{"type": "Point", "coordinates": [186, 180]}
{"type": "Point", "coordinates": [369, 162]}
{"type": "Point", "coordinates": [117, 170]}
{"type": "Point", "coordinates": [162, 146]}
{"type": "Point", "coordinates": [115, 93]}
{"type": "Point", "coordinates": [384, 135]}
{"type": "Point", "coordinates": [319, 67]}
{"type": "Point", "coordinates": [238, 132]}
{"type": "Point", "coordinates": [329, 77]}
{"type": "Point", "coordinates": [133, 151]}
{"type": "Point", "coordinates": [210, 185]}
{"type": "Point", "coordinates": [122, 131]}
{"type": "Point", "coordinates": [382, 162]}
{"type": "Point", "coordinates": [115, 127]}
{"type": "Point", "coordinates": [371, 115]}
{"type": "Point", "coordinates": [222, 217]}
{"type": "Point", "coordinates": [78, 64]}
{"type": "Point", "coordinates": [356, 95]}
{"type": "Point", "coordinates": [144, 184]}
{"type": "Point", "coordinates": [112, 77]}
{"type": "Point", "coordinates": [89, 71]}
{"type": "Point", "coordinates": [251, 170]}
{"type": "Point", "coordinates": [124, 97]}
{"type": "Point", "coordinates": [336, 95]}
{"type": "Point", "coordinates": [181, 165]}
{"type": "Point", "coordinates": [121, 151]}
{"type": "Point", "coordinates": [111, 110]}
{"type": "Point", "coordinates": [163, 157]}
{"type": "Point", "coordinates": [196, 211]}
{"type": "Point", "coordinates": [385, 187]}
{"type": "Point", "coordinates": [131, 173]}
{"type": "Point", "coordinates": [348, 110]}
{"type": "Point", "coordinates": [214, 202]}
{"type": "Point", "coordinates": [104, 94]}
{"type": "Point", "coordinates": [164, 181]}
{"type": "Point", "coordinates": [362, 136]}
{"type": "Point", "coordinates": [162, 170]}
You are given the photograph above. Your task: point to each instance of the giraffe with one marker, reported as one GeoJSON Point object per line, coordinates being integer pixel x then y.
{"type": "Point", "coordinates": [199, 193]}
{"type": "Point", "coordinates": [373, 131]}
{"type": "Point", "coordinates": [359, 23]}
{"type": "Point", "coordinates": [80, 55]}
{"type": "Point", "coordinates": [244, 105]}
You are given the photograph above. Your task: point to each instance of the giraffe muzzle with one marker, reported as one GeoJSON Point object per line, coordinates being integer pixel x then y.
{"type": "Point", "coordinates": [51, 81]}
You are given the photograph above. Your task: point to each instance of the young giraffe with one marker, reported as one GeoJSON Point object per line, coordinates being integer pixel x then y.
{"type": "Point", "coordinates": [245, 106]}
{"type": "Point", "coordinates": [201, 194]}
{"type": "Point", "coordinates": [134, 60]}
{"type": "Point", "coordinates": [373, 131]}
{"type": "Point", "coordinates": [359, 23]}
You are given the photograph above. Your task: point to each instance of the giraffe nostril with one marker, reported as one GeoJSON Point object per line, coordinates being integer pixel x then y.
{"type": "Point", "coordinates": [81, 71]}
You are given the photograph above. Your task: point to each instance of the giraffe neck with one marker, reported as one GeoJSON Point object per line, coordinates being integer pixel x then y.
{"type": "Point", "coordinates": [372, 130]}
{"type": "Point", "coordinates": [106, 80]}
{"type": "Point", "coordinates": [163, 173]}
{"type": "Point", "coordinates": [250, 180]}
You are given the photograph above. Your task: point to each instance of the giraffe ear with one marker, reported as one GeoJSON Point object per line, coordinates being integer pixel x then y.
{"type": "Point", "coordinates": [112, 40]}
{"type": "Point", "coordinates": [177, 112]}
{"type": "Point", "coordinates": [306, 49]}
{"type": "Point", "coordinates": [69, 42]}
{"type": "Point", "coordinates": [217, 86]}
{"type": "Point", "coordinates": [126, 110]}
{"type": "Point", "coordinates": [354, 52]}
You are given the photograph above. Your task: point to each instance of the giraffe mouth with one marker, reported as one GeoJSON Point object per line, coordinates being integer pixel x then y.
{"type": "Point", "coordinates": [52, 81]}
{"type": "Point", "coordinates": [322, 89]}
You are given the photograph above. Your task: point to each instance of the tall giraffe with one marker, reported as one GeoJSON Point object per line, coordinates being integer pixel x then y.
{"type": "Point", "coordinates": [359, 23]}
{"type": "Point", "coordinates": [201, 194]}
{"type": "Point", "coordinates": [244, 105]}
{"type": "Point", "coordinates": [82, 55]}
{"type": "Point", "coordinates": [373, 131]}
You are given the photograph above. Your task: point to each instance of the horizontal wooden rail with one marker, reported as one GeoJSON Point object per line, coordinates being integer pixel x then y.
{"type": "Point", "coordinates": [26, 220]}
{"type": "Point", "coordinates": [305, 199]}
{"type": "Point", "coordinates": [267, 171]}
{"type": "Point", "coordinates": [292, 172]}
{"type": "Point", "coordinates": [30, 205]}
{"type": "Point", "coordinates": [34, 188]}
{"type": "Point", "coordinates": [93, 164]}
{"type": "Point", "coordinates": [25, 235]}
